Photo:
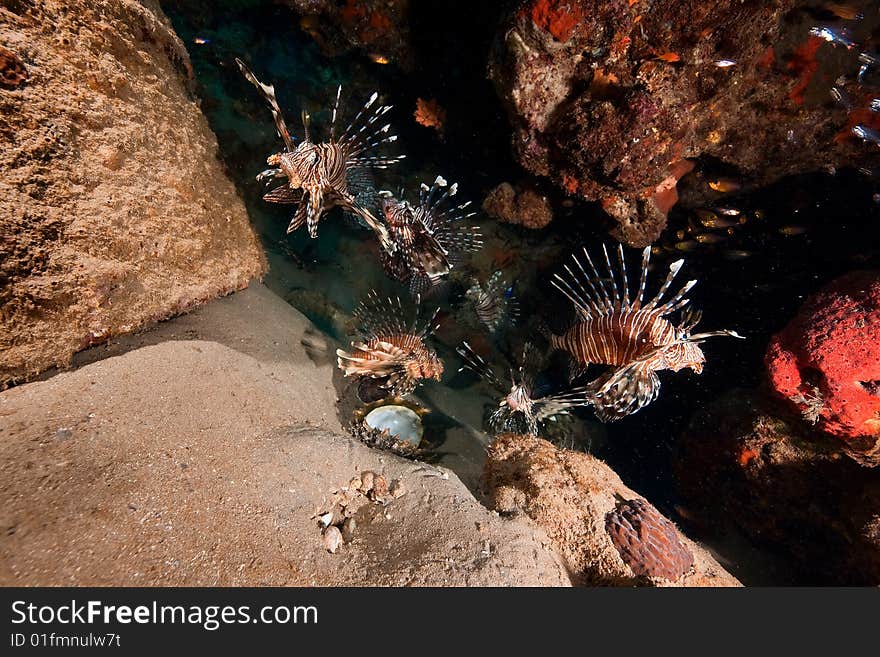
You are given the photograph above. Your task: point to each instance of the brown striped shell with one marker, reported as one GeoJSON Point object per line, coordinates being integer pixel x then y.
{"type": "Point", "coordinates": [647, 542]}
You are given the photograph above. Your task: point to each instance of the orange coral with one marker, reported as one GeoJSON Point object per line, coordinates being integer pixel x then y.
{"type": "Point", "coordinates": [804, 64]}
{"type": "Point", "coordinates": [430, 114]}
{"type": "Point", "coordinates": [557, 17]}
{"type": "Point", "coordinates": [570, 183]}
{"type": "Point", "coordinates": [746, 456]}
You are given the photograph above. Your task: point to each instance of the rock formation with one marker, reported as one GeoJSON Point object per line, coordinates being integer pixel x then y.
{"type": "Point", "coordinates": [115, 211]}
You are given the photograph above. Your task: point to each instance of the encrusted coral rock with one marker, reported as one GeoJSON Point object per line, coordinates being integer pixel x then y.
{"type": "Point", "coordinates": [115, 211]}
{"type": "Point", "coordinates": [827, 362]}
{"type": "Point", "coordinates": [648, 543]}
{"type": "Point", "coordinates": [785, 485]}
{"type": "Point", "coordinates": [521, 206]}
{"type": "Point", "coordinates": [380, 28]}
{"type": "Point", "coordinates": [609, 98]}
{"type": "Point", "coordinates": [575, 498]}
{"type": "Point", "coordinates": [12, 69]}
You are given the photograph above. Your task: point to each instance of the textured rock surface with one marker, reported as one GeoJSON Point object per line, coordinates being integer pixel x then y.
{"type": "Point", "coordinates": [608, 96]}
{"type": "Point", "coordinates": [174, 464]}
{"type": "Point", "coordinates": [783, 485]}
{"type": "Point", "coordinates": [521, 206]}
{"type": "Point", "coordinates": [826, 362]}
{"type": "Point", "coordinates": [574, 497]}
{"type": "Point", "coordinates": [114, 209]}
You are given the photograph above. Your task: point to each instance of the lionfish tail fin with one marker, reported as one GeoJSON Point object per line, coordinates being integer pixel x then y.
{"type": "Point", "coordinates": [624, 391]}
{"type": "Point", "coordinates": [268, 93]}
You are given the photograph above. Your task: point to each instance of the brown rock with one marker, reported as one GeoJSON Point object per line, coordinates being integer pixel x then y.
{"type": "Point", "coordinates": [518, 205]}
{"type": "Point", "coordinates": [176, 464]}
{"type": "Point", "coordinates": [749, 462]}
{"type": "Point", "coordinates": [115, 211]}
{"type": "Point", "coordinates": [576, 499]}
{"type": "Point", "coordinates": [609, 99]}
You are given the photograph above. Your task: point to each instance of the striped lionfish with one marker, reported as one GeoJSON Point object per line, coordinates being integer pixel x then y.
{"type": "Point", "coordinates": [519, 409]}
{"type": "Point", "coordinates": [388, 349]}
{"type": "Point", "coordinates": [323, 175]}
{"type": "Point", "coordinates": [493, 303]}
{"type": "Point", "coordinates": [429, 239]}
{"type": "Point", "coordinates": [635, 338]}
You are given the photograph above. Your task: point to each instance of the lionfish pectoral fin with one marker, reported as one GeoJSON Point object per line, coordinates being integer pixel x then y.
{"type": "Point", "coordinates": [298, 219]}
{"type": "Point", "coordinates": [377, 226]}
{"type": "Point", "coordinates": [624, 391]}
{"type": "Point", "coordinates": [314, 210]}
{"type": "Point", "coordinates": [283, 194]}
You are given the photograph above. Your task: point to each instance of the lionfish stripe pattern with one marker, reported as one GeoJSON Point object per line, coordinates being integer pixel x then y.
{"type": "Point", "coordinates": [389, 348]}
{"type": "Point", "coordinates": [494, 303]}
{"type": "Point", "coordinates": [518, 406]}
{"type": "Point", "coordinates": [631, 335]}
{"type": "Point", "coordinates": [430, 238]}
{"type": "Point", "coordinates": [318, 174]}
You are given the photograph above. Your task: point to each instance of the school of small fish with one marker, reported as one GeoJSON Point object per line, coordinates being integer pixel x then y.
{"type": "Point", "coordinates": [423, 242]}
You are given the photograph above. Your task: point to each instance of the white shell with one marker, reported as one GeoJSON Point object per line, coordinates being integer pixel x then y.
{"type": "Point", "coordinates": [402, 423]}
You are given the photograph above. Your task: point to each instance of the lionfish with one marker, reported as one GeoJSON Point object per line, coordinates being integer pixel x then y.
{"type": "Point", "coordinates": [323, 175]}
{"type": "Point", "coordinates": [635, 338]}
{"type": "Point", "coordinates": [390, 350]}
{"type": "Point", "coordinates": [520, 408]}
{"type": "Point", "coordinates": [493, 303]}
{"type": "Point", "coordinates": [429, 238]}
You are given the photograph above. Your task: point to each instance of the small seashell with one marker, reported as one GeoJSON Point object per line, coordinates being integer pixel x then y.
{"type": "Point", "coordinates": [367, 481]}
{"type": "Point", "coordinates": [332, 539]}
{"type": "Point", "coordinates": [326, 519]}
{"type": "Point", "coordinates": [355, 483]}
{"type": "Point", "coordinates": [401, 422]}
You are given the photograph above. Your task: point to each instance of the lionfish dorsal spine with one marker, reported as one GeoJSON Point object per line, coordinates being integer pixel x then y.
{"type": "Point", "coordinates": [476, 364]}
{"type": "Point", "coordinates": [643, 277]}
{"type": "Point", "coordinates": [268, 93]}
{"type": "Point", "coordinates": [670, 277]}
{"type": "Point", "coordinates": [334, 113]}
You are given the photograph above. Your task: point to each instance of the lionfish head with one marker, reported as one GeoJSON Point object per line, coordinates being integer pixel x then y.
{"type": "Point", "coordinates": [288, 164]}
{"type": "Point", "coordinates": [683, 355]}
{"type": "Point", "coordinates": [398, 214]}
{"type": "Point", "coordinates": [426, 366]}
{"type": "Point", "coordinates": [517, 399]}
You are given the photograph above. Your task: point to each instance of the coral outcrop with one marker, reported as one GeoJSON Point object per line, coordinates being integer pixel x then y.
{"type": "Point", "coordinates": [784, 485]}
{"type": "Point", "coordinates": [826, 362]}
{"type": "Point", "coordinates": [114, 208]}
{"type": "Point", "coordinates": [608, 533]}
{"type": "Point", "coordinates": [610, 99]}
{"type": "Point", "coordinates": [522, 206]}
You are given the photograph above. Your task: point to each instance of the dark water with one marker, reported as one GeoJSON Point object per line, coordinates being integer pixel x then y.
{"type": "Point", "coordinates": [325, 277]}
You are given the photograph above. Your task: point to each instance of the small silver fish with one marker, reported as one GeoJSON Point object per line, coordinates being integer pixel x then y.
{"type": "Point", "coordinates": [728, 212]}
{"type": "Point", "coordinates": [725, 63]}
{"type": "Point", "coordinates": [710, 238]}
{"type": "Point", "coordinates": [842, 98]}
{"type": "Point", "coordinates": [874, 106]}
{"type": "Point", "coordinates": [867, 134]}
{"type": "Point", "coordinates": [834, 37]}
{"type": "Point", "coordinates": [867, 60]}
